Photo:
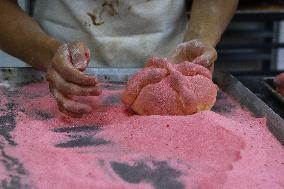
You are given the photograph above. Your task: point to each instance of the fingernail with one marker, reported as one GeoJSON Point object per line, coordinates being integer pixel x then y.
{"type": "Point", "coordinates": [89, 109]}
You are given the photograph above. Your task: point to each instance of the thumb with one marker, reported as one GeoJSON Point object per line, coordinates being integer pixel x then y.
{"type": "Point", "coordinates": [207, 59]}
{"type": "Point", "coordinates": [179, 54]}
{"type": "Point", "coordinates": [79, 55]}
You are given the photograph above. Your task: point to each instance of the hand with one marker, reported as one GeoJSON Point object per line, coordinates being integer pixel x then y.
{"type": "Point", "coordinates": [66, 78]}
{"type": "Point", "coordinates": [279, 83]}
{"type": "Point", "coordinates": [196, 52]}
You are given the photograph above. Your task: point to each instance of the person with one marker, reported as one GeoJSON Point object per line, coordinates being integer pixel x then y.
{"type": "Point", "coordinates": [119, 33]}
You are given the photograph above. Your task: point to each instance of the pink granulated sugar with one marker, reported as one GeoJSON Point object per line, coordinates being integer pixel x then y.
{"type": "Point", "coordinates": [207, 147]}
{"type": "Point", "coordinates": [231, 149]}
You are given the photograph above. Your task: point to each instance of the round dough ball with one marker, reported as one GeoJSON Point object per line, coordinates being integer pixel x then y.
{"type": "Point", "coordinates": [162, 88]}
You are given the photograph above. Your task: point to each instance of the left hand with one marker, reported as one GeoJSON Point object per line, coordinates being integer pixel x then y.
{"type": "Point", "coordinates": [197, 52]}
{"type": "Point", "coordinates": [66, 78]}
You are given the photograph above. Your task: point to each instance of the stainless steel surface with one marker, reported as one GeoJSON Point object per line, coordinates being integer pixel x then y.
{"type": "Point", "coordinates": [14, 76]}
{"type": "Point", "coordinates": [226, 82]}
{"type": "Point", "coordinates": [245, 97]}
{"type": "Point", "coordinates": [112, 74]}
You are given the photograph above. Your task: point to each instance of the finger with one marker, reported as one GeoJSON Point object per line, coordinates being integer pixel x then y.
{"type": "Point", "coordinates": [61, 62]}
{"type": "Point", "coordinates": [155, 62]}
{"type": "Point", "coordinates": [206, 59]}
{"type": "Point", "coordinates": [69, 104]}
{"type": "Point", "coordinates": [80, 55]}
{"type": "Point", "coordinates": [190, 69]}
{"type": "Point", "coordinates": [211, 68]}
{"type": "Point", "coordinates": [140, 80]}
{"type": "Point", "coordinates": [188, 51]}
{"type": "Point", "coordinates": [68, 88]}
{"type": "Point", "coordinates": [279, 80]}
{"type": "Point", "coordinates": [62, 110]}
{"type": "Point", "coordinates": [193, 49]}
{"type": "Point", "coordinates": [179, 55]}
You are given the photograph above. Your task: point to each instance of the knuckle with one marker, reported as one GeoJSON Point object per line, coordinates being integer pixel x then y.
{"type": "Point", "coordinates": [51, 89]}
{"type": "Point", "coordinates": [49, 73]}
{"type": "Point", "coordinates": [75, 43]}
{"type": "Point", "coordinates": [52, 92]}
{"type": "Point", "coordinates": [61, 109]}
{"type": "Point", "coordinates": [47, 77]}
{"type": "Point", "coordinates": [79, 44]}
{"type": "Point", "coordinates": [56, 59]}
{"type": "Point", "coordinates": [76, 91]}
{"type": "Point", "coordinates": [58, 100]}
{"type": "Point", "coordinates": [50, 80]}
{"type": "Point", "coordinates": [65, 105]}
{"type": "Point", "coordinates": [95, 90]}
{"type": "Point", "coordinates": [63, 89]}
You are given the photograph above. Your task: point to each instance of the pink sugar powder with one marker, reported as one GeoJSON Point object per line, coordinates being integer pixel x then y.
{"type": "Point", "coordinates": [207, 147]}
{"type": "Point", "coordinates": [112, 148]}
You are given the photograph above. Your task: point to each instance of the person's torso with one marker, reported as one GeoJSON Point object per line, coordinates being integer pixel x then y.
{"type": "Point", "coordinates": [119, 33]}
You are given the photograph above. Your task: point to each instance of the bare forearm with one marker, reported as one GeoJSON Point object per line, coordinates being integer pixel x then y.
{"type": "Point", "coordinates": [22, 37]}
{"type": "Point", "coordinates": [209, 19]}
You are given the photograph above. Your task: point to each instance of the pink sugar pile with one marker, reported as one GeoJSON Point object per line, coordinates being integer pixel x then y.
{"type": "Point", "coordinates": [231, 150]}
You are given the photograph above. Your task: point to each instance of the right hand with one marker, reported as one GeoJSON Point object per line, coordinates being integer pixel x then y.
{"type": "Point", "coordinates": [66, 78]}
{"type": "Point", "coordinates": [197, 52]}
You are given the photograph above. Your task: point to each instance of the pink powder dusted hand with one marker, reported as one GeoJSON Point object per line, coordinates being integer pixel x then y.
{"type": "Point", "coordinates": [163, 88]}
{"type": "Point", "coordinates": [66, 78]}
{"type": "Point", "coordinates": [196, 52]}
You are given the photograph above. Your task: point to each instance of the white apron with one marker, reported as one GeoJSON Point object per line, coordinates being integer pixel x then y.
{"type": "Point", "coordinates": [119, 33]}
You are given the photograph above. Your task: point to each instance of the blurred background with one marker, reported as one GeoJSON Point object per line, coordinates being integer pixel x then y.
{"type": "Point", "coordinates": [254, 41]}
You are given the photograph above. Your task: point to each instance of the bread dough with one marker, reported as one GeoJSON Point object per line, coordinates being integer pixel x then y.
{"type": "Point", "coordinates": [162, 88]}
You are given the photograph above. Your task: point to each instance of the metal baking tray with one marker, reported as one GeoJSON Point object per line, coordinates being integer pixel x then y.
{"type": "Point", "coordinates": [269, 85]}
{"type": "Point", "coordinates": [226, 82]}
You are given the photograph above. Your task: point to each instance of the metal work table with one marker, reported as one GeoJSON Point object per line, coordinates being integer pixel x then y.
{"type": "Point", "coordinates": [253, 81]}
{"type": "Point", "coordinates": [154, 171]}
